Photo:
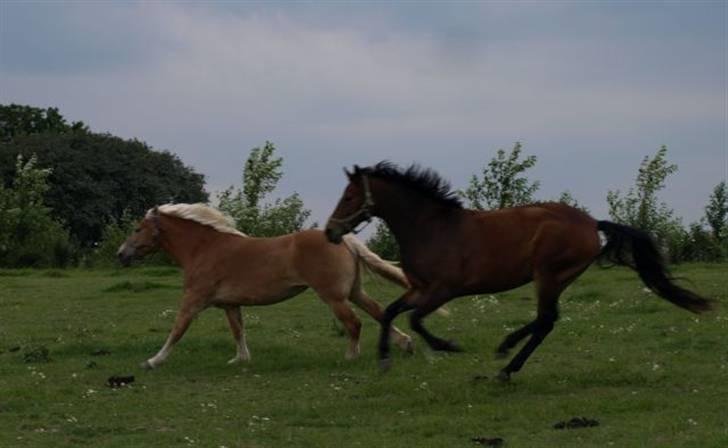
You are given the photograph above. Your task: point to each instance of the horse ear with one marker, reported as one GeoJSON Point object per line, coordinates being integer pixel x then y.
{"type": "Point", "coordinates": [356, 169]}
{"type": "Point", "coordinates": [348, 174]}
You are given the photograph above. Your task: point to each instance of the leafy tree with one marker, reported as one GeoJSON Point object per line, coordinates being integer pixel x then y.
{"type": "Point", "coordinates": [29, 236]}
{"type": "Point", "coordinates": [17, 119]}
{"type": "Point", "coordinates": [716, 212]}
{"type": "Point", "coordinates": [252, 215]}
{"type": "Point", "coordinates": [502, 184]}
{"type": "Point", "coordinates": [95, 177]}
{"type": "Point", "coordinates": [383, 242]}
{"type": "Point", "coordinates": [568, 199]}
{"type": "Point", "coordinates": [640, 206]}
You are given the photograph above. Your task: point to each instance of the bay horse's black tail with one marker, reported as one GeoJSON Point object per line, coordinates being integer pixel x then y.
{"type": "Point", "coordinates": [634, 248]}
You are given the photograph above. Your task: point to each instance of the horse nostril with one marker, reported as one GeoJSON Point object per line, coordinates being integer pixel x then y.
{"type": "Point", "coordinates": [332, 235]}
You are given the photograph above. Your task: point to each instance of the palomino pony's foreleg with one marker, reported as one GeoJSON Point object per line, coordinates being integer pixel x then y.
{"type": "Point", "coordinates": [235, 319]}
{"type": "Point", "coordinates": [189, 310]}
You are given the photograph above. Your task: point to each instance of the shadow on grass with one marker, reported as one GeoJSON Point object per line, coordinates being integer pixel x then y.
{"type": "Point", "coordinates": [136, 286]}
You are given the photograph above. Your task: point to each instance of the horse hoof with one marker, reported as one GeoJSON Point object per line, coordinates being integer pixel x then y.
{"type": "Point", "coordinates": [503, 376]}
{"type": "Point", "coordinates": [449, 346]}
{"type": "Point", "coordinates": [385, 364]}
{"type": "Point", "coordinates": [146, 365]}
{"type": "Point", "coordinates": [409, 347]}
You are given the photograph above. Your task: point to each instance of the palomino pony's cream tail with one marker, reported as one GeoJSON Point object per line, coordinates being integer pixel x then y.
{"type": "Point", "coordinates": [384, 268]}
{"type": "Point", "coordinates": [375, 263]}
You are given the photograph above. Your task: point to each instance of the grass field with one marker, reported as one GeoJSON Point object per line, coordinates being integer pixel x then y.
{"type": "Point", "coordinates": [650, 373]}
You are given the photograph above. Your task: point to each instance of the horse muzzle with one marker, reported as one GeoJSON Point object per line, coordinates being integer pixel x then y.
{"type": "Point", "coordinates": [125, 255]}
{"type": "Point", "coordinates": [334, 234]}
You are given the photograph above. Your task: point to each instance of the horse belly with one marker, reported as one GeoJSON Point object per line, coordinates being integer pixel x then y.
{"type": "Point", "coordinates": [247, 297]}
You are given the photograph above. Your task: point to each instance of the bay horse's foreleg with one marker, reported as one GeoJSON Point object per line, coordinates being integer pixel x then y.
{"type": "Point", "coordinates": [372, 308]}
{"type": "Point", "coordinates": [393, 310]}
{"type": "Point", "coordinates": [235, 319]}
{"type": "Point", "coordinates": [189, 310]}
{"type": "Point", "coordinates": [433, 341]}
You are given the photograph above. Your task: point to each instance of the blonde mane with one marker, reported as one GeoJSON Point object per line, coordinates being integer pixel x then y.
{"type": "Point", "coordinates": [201, 214]}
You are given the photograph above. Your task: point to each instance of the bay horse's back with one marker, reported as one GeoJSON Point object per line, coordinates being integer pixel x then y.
{"type": "Point", "coordinates": [513, 246]}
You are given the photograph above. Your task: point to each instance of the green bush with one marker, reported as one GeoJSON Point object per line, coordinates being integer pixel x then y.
{"type": "Point", "coordinates": [29, 236]}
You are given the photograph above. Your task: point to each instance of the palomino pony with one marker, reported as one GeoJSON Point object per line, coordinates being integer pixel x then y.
{"type": "Point", "coordinates": [227, 269]}
{"type": "Point", "coordinates": [448, 251]}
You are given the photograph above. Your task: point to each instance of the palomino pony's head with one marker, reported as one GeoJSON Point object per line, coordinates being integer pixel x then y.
{"type": "Point", "coordinates": [143, 241]}
{"type": "Point", "coordinates": [354, 207]}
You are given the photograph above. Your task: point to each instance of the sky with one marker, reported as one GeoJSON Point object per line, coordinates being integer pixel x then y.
{"type": "Point", "coordinates": [588, 87]}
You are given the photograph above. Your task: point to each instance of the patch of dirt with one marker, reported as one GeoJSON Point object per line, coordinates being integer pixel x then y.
{"type": "Point", "coordinates": [119, 381]}
{"type": "Point", "coordinates": [577, 422]}
{"type": "Point", "coordinates": [37, 354]}
{"type": "Point", "coordinates": [488, 441]}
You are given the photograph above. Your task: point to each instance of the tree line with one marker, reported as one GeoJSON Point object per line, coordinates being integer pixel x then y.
{"type": "Point", "coordinates": [69, 196]}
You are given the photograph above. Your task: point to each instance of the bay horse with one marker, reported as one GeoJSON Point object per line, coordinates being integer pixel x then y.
{"type": "Point", "coordinates": [448, 251]}
{"type": "Point", "coordinates": [226, 269]}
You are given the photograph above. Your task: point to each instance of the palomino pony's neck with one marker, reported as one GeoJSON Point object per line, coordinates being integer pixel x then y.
{"type": "Point", "coordinates": [184, 239]}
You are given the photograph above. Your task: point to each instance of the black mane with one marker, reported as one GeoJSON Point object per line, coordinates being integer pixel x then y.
{"type": "Point", "coordinates": [423, 180]}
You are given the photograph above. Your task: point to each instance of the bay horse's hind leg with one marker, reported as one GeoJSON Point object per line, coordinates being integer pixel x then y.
{"type": "Point", "coordinates": [549, 287]}
{"type": "Point", "coordinates": [235, 319]}
{"type": "Point", "coordinates": [548, 314]}
{"type": "Point", "coordinates": [514, 338]}
{"type": "Point", "coordinates": [372, 308]}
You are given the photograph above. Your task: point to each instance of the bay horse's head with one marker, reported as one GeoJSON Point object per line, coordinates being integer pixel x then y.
{"type": "Point", "coordinates": [354, 207]}
{"type": "Point", "coordinates": [143, 241]}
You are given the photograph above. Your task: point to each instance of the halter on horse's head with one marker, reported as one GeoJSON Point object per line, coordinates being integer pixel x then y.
{"type": "Point", "coordinates": [354, 207]}
{"type": "Point", "coordinates": [143, 241]}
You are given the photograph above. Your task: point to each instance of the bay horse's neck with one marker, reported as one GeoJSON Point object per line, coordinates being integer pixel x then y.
{"type": "Point", "coordinates": [415, 220]}
{"type": "Point", "coordinates": [184, 239]}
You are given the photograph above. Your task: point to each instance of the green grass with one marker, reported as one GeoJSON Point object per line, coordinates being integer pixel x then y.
{"type": "Point", "coordinates": [650, 373]}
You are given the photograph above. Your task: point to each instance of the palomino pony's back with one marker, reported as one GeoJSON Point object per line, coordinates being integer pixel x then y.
{"type": "Point", "coordinates": [227, 269]}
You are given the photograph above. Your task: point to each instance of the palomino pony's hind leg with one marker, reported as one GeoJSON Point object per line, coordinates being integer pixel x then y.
{"type": "Point", "coordinates": [190, 308]}
{"type": "Point", "coordinates": [342, 310]}
{"type": "Point", "coordinates": [372, 308]}
{"type": "Point", "coordinates": [235, 319]}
